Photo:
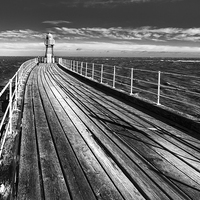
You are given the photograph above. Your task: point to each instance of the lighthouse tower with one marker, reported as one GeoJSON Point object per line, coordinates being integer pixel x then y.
{"type": "Point", "coordinates": [49, 43]}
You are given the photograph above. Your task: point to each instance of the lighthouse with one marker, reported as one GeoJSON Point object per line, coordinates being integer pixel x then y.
{"type": "Point", "coordinates": [49, 43]}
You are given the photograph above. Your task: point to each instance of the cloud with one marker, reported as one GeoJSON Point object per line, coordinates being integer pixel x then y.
{"type": "Point", "coordinates": [134, 34]}
{"type": "Point", "coordinates": [56, 22]}
{"type": "Point", "coordinates": [148, 39]}
{"type": "Point", "coordinates": [141, 34]}
{"type": "Point", "coordinates": [21, 35]}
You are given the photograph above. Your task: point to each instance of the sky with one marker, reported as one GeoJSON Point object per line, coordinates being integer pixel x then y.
{"type": "Point", "coordinates": [123, 28]}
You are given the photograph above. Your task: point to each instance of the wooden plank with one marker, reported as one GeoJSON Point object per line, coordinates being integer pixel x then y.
{"type": "Point", "coordinates": [187, 137]}
{"type": "Point", "coordinates": [145, 151]}
{"type": "Point", "coordinates": [77, 182]}
{"type": "Point", "coordinates": [169, 155]}
{"type": "Point", "coordinates": [153, 172]}
{"type": "Point", "coordinates": [170, 171]}
{"type": "Point", "coordinates": [29, 186]}
{"type": "Point", "coordinates": [141, 181]}
{"type": "Point", "coordinates": [109, 106]}
{"type": "Point", "coordinates": [93, 108]}
{"type": "Point", "coordinates": [126, 188]}
{"type": "Point", "coordinates": [53, 179]}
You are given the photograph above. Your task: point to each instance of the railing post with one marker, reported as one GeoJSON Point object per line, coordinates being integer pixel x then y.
{"type": "Point", "coordinates": [102, 73]}
{"type": "Point", "coordinates": [10, 105]}
{"type": "Point", "coordinates": [93, 71]}
{"type": "Point", "coordinates": [59, 61]}
{"type": "Point", "coordinates": [21, 73]}
{"type": "Point", "coordinates": [114, 77]}
{"type": "Point", "coordinates": [131, 81]}
{"type": "Point", "coordinates": [77, 66]}
{"type": "Point", "coordinates": [81, 68]}
{"type": "Point", "coordinates": [16, 90]}
{"type": "Point", "coordinates": [86, 70]}
{"type": "Point", "coordinates": [158, 97]}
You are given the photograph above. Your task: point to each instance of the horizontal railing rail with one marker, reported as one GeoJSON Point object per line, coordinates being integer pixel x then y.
{"type": "Point", "coordinates": [10, 93]}
{"type": "Point", "coordinates": [177, 91]}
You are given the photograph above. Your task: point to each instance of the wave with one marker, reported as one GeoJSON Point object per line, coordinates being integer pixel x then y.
{"type": "Point", "coordinates": [184, 61]}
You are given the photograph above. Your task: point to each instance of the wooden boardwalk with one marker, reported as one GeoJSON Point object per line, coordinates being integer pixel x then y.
{"type": "Point", "coordinates": [80, 143]}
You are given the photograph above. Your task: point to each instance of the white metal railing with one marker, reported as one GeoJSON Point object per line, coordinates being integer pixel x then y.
{"type": "Point", "coordinates": [10, 91]}
{"type": "Point", "coordinates": [156, 86]}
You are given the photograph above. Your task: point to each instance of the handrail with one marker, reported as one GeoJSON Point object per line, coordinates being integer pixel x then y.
{"type": "Point", "coordinates": [136, 81]}
{"type": "Point", "coordinates": [15, 82]}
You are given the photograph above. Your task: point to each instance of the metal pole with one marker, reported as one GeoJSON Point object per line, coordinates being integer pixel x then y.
{"type": "Point", "coordinates": [114, 77]}
{"type": "Point", "coordinates": [77, 66]}
{"type": "Point", "coordinates": [93, 71]}
{"type": "Point", "coordinates": [102, 73]}
{"type": "Point", "coordinates": [86, 70]}
{"type": "Point", "coordinates": [131, 81]}
{"type": "Point", "coordinates": [158, 98]}
{"type": "Point", "coordinates": [10, 105]}
{"type": "Point", "coordinates": [16, 90]}
{"type": "Point", "coordinates": [81, 68]}
{"type": "Point", "coordinates": [21, 68]}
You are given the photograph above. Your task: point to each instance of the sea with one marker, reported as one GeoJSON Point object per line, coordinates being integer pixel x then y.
{"type": "Point", "coordinates": [8, 67]}
{"type": "Point", "coordinates": [190, 67]}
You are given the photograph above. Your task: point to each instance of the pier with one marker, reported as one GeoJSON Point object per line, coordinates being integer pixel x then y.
{"type": "Point", "coordinates": [80, 131]}
{"type": "Point", "coordinates": [80, 142]}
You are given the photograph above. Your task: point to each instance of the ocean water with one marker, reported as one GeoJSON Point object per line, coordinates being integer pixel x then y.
{"type": "Point", "coordinates": [8, 67]}
{"type": "Point", "coordinates": [185, 66]}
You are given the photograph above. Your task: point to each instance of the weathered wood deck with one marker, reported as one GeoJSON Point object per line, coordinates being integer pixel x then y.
{"type": "Point", "coordinates": [79, 143]}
